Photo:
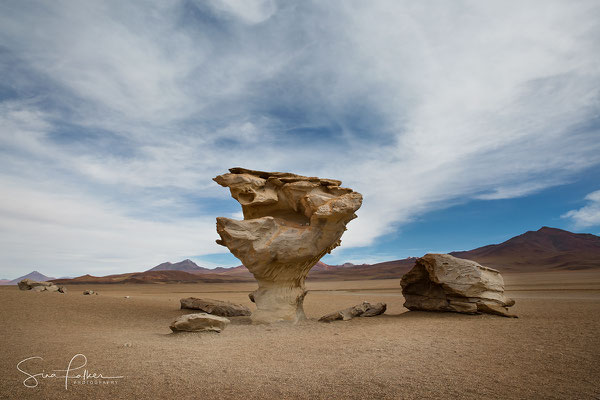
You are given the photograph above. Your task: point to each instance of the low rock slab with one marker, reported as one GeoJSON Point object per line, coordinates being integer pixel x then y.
{"type": "Point", "coordinates": [361, 310]}
{"type": "Point", "coordinates": [28, 284]}
{"type": "Point", "coordinates": [200, 322]}
{"type": "Point", "coordinates": [215, 307]}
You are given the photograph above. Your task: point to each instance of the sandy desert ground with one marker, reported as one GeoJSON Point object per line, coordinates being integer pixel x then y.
{"type": "Point", "coordinates": [551, 352]}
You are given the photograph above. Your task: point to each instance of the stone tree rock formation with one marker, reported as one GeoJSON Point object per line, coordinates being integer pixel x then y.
{"type": "Point", "coordinates": [290, 222]}
{"type": "Point", "coordinates": [441, 282]}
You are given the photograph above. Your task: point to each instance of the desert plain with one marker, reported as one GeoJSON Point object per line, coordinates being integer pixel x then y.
{"type": "Point", "coordinates": [552, 351]}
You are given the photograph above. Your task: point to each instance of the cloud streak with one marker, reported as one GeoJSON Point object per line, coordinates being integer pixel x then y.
{"type": "Point", "coordinates": [588, 215]}
{"type": "Point", "coordinates": [132, 110]}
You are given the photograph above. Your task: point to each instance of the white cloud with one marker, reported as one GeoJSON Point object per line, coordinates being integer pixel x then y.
{"type": "Point", "coordinates": [588, 215]}
{"type": "Point", "coordinates": [81, 234]}
{"type": "Point", "coordinates": [429, 105]}
{"type": "Point", "coordinates": [249, 11]}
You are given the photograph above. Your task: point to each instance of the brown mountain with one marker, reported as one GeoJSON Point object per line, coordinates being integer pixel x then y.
{"type": "Point", "coordinates": [547, 248]}
{"type": "Point", "coordinates": [33, 275]}
{"type": "Point", "coordinates": [347, 271]}
{"type": "Point", "coordinates": [185, 265]}
{"type": "Point", "coordinates": [164, 276]}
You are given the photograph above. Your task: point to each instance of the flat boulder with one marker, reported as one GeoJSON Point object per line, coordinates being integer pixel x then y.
{"type": "Point", "coordinates": [215, 307]}
{"type": "Point", "coordinates": [364, 309]}
{"type": "Point", "coordinates": [441, 282]}
{"type": "Point", "coordinates": [200, 322]}
{"type": "Point", "coordinates": [28, 284]}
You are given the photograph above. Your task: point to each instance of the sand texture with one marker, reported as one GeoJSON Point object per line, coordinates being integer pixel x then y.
{"type": "Point", "coordinates": [552, 351]}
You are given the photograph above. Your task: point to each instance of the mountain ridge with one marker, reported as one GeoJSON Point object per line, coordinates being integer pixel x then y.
{"type": "Point", "coordinates": [33, 275]}
{"type": "Point", "coordinates": [547, 248]}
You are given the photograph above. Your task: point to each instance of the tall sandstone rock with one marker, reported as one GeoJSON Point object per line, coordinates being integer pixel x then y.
{"type": "Point", "coordinates": [290, 222]}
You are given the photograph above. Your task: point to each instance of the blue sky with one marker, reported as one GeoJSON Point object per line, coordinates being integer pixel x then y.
{"type": "Point", "coordinates": [462, 123]}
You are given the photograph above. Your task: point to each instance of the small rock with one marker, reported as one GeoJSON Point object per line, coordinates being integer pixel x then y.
{"type": "Point", "coordinates": [62, 289]}
{"type": "Point", "coordinates": [127, 344]}
{"type": "Point", "coordinates": [200, 322]}
{"type": "Point", "coordinates": [215, 307]}
{"type": "Point", "coordinates": [87, 292]}
{"type": "Point", "coordinates": [126, 297]}
{"type": "Point", "coordinates": [361, 310]}
{"type": "Point", "coordinates": [374, 310]}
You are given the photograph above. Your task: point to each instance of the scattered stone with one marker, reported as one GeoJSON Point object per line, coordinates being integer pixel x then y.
{"type": "Point", "coordinates": [290, 222]}
{"type": "Point", "coordinates": [62, 289]}
{"type": "Point", "coordinates": [361, 310]}
{"type": "Point", "coordinates": [200, 322]}
{"type": "Point", "coordinates": [374, 310]}
{"type": "Point", "coordinates": [441, 282]}
{"type": "Point", "coordinates": [127, 344]}
{"type": "Point", "coordinates": [87, 292]}
{"type": "Point", "coordinates": [215, 307]}
{"type": "Point", "coordinates": [126, 297]}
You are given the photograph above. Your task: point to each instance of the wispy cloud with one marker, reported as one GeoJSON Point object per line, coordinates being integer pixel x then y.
{"type": "Point", "coordinates": [128, 111]}
{"type": "Point", "coordinates": [588, 215]}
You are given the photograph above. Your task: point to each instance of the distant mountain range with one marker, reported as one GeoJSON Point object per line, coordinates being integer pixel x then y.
{"type": "Point", "coordinates": [185, 265]}
{"type": "Point", "coordinates": [33, 275]}
{"type": "Point", "coordinates": [162, 276]}
{"type": "Point", "coordinates": [545, 249]}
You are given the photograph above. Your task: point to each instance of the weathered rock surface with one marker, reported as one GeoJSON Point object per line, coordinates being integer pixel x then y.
{"type": "Point", "coordinates": [28, 284]}
{"type": "Point", "coordinates": [364, 309]}
{"type": "Point", "coordinates": [441, 282]}
{"type": "Point", "coordinates": [199, 322]}
{"type": "Point", "coordinates": [215, 307]}
{"type": "Point", "coordinates": [290, 222]}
